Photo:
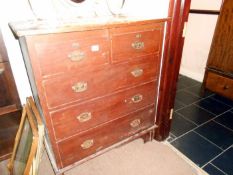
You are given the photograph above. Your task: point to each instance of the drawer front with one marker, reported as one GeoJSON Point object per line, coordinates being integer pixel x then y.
{"type": "Point", "coordinates": [136, 41]}
{"type": "Point", "coordinates": [87, 143]}
{"type": "Point", "coordinates": [220, 84]}
{"type": "Point", "coordinates": [140, 70]}
{"type": "Point", "coordinates": [61, 53]}
{"type": "Point", "coordinates": [72, 120]}
{"type": "Point", "coordinates": [83, 86]}
{"type": "Point", "coordinates": [97, 83]}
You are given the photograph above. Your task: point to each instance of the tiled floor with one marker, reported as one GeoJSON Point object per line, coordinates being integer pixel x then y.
{"type": "Point", "coordinates": [202, 127]}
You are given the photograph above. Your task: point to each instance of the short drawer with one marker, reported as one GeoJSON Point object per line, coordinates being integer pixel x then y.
{"type": "Point", "coordinates": [77, 118]}
{"type": "Point", "coordinates": [136, 41]}
{"type": "Point", "coordinates": [220, 84]}
{"type": "Point", "coordinates": [92, 141]}
{"type": "Point", "coordinates": [99, 82]}
{"type": "Point", "coordinates": [140, 70]}
{"type": "Point", "coordinates": [60, 53]}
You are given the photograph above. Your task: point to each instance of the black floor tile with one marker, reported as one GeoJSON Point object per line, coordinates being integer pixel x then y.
{"type": "Point", "coordinates": [180, 125]}
{"type": "Point", "coordinates": [196, 148]}
{"type": "Point", "coordinates": [196, 114]}
{"type": "Point", "coordinates": [217, 134]}
{"type": "Point", "coordinates": [196, 90]}
{"type": "Point", "coordinates": [223, 99]}
{"type": "Point", "coordinates": [225, 162]}
{"type": "Point", "coordinates": [226, 119]}
{"type": "Point", "coordinates": [178, 105]}
{"type": "Point", "coordinates": [188, 82]}
{"type": "Point", "coordinates": [212, 170]}
{"type": "Point", "coordinates": [213, 105]}
{"type": "Point", "coordinates": [180, 86]}
{"type": "Point", "coordinates": [204, 143]}
{"type": "Point", "coordinates": [186, 98]}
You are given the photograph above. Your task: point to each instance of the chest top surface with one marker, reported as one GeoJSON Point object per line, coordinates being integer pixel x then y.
{"type": "Point", "coordinates": [38, 27]}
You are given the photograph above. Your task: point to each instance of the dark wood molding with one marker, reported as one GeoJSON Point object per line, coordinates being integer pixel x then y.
{"type": "Point", "coordinates": [3, 53]}
{"type": "Point", "coordinates": [179, 11]}
{"type": "Point", "coordinates": [205, 12]}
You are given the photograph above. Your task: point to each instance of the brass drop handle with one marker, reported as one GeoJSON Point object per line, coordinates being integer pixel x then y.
{"type": "Point", "coordinates": [87, 144]}
{"type": "Point", "coordinates": [84, 117]}
{"type": "Point", "coordinates": [80, 87]}
{"type": "Point", "coordinates": [2, 70]}
{"type": "Point", "coordinates": [137, 45]}
{"type": "Point", "coordinates": [135, 123]}
{"type": "Point", "coordinates": [137, 98]}
{"type": "Point", "coordinates": [76, 56]}
{"type": "Point", "coordinates": [137, 72]}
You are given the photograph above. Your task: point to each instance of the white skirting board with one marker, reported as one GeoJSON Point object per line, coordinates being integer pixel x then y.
{"type": "Point", "coordinates": [194, 75]}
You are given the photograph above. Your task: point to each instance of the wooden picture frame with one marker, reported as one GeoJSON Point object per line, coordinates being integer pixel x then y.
{"type": "Point", "coordinates": [28, 142]}
{"type": "Point", "coordinates": [41, 133]}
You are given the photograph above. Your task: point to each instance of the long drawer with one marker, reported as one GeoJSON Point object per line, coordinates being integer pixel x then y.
{"type": "Point", "coordinates": [220, 84]}
{"type": "Point", "coordinates": [99, 82]}
{"type": "Point", "coordinates": [75, 119]}
{"type": "Point", "coordinates": [136, 41]}
{"type": "Point", "coordinates": [59, 53]}
{"type": "Point", "coordinates": [87, 143]}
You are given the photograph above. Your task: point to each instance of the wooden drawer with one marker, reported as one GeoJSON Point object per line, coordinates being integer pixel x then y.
{"type": "Point", "coordinates": [60, 53]}
{"type": "Point", "coordinates": [87, 143]}
{"type": "Point", "coordinates": [220, 84]}
{"type": "Point", "coordinates": [99, 82]}
{"type": "Point", "coordinates": [71, 120]}
{"type": "Point", "coordinates": [140, 70]}
{"type": "Point", "coordinates": [136, 41]}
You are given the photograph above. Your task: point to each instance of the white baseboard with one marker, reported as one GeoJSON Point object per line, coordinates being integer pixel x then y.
{"type": "Point", "coordinates": [194, 75]}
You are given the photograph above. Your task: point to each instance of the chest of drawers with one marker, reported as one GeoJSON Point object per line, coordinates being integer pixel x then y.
{"type": "Point", "coordinates": [99, 86]}
{"type": "Point", "coordinates": [95, 87]}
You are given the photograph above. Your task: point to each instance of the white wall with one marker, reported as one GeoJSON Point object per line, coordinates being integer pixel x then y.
{"type": "Point", "coordinates": [18, 10]}
{"type": "Point", "coordinates": [200, 30]}
{"type": "Point", "coordinates": [12, 10]}
{"type": "Point", "coordinates": [206, 4]}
